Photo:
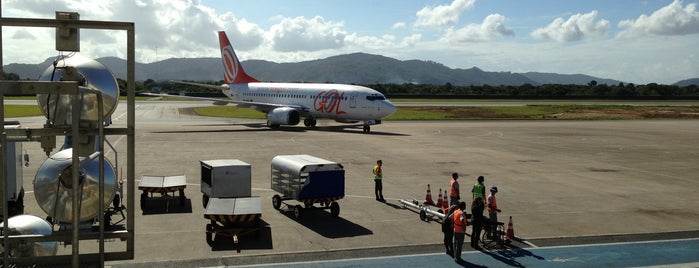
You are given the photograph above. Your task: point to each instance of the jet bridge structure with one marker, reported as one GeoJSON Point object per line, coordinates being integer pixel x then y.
{"type": "Point", "coordinates": [67, 28]}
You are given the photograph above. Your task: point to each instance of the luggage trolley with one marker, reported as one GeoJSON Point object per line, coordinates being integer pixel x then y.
{"type": "Point", "coordinates": [309, 180]}
{"type": "Point", "coordinates": [227, 199]}
{"type": "Point", "coordinates": [233, 217]}
{"type": "Point", "coordinates": [162, 185]}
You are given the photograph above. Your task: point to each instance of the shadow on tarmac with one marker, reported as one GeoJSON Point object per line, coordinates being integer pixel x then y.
{"type": "Point", "coordinates": [252, 239]}
{"type": "Point", "coordinates": [166, 205]}
{"type": "Point", "coordinates": [258, 127]}
{"type": "Point", "coordinates": [321, 222]}
{"type": "Point", "coordinates": [508, 255]}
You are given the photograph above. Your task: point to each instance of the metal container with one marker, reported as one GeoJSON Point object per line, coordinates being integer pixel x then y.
{"type": "Point", "coordinates": [53, 187]}
{"type": "Point", "coordinates": [89, 73]}
{"type": "Point", "coordinates": [29, 225]}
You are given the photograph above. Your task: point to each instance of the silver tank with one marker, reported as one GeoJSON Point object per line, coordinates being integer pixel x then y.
{"type": "Point", "coordinates": [91, 74]}
{"type": "Point", "coordinates": [29, 225]}
{"type": "Point", "coordinates": [53, 187]}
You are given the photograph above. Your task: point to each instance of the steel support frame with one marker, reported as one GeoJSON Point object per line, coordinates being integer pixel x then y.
{"type": "Point", "coordinates": [16, 87]}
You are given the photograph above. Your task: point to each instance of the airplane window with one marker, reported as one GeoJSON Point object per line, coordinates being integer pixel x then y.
{"type": "Point", "coordinates": [375, 97]}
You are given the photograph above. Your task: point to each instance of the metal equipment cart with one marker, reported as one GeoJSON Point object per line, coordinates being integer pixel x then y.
{"type": "Point", "coordinates": [162, 185]}
{"type": "Point", "coordinates": [309, 180]}
{"type": "Point", "coordinates": [233, 217]}
{"type": "Point", "coordinates": [225, 178]}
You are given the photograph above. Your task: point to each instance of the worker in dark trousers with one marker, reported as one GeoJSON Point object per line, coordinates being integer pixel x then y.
{"type": "Point", "coordinates": [378, 185]}
{"type": "Point", "coordinates": [454, 195]}
{"type": "Point", "coordinates": [477, 221]}
{"type": "Point", "coordinates": [448, 230]}
{"type": "Point", "coordinates": [460, 219]}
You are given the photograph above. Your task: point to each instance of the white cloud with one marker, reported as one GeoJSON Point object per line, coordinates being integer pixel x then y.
{"type": "Point", "coordinates": [577, 27]}
{"type": "Point", "coordinates": [411, 40]}
{"type": "Point", "coordinates": [673, 19]}
{"type": "Point", "coordinates": [398, 25]}
{"type": "Point", "coordinates": [493, 27]}
{"type": "Point", "coordinates": [302, 34]}
{"type": "Point", "coordinates": [443, 14]}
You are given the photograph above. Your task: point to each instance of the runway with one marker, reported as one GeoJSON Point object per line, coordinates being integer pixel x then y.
{"type": "Point", "coordinates": [556, 179]}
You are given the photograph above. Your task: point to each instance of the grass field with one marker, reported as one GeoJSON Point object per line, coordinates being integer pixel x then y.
{"type": "Point", "coordinates": [529, 112]}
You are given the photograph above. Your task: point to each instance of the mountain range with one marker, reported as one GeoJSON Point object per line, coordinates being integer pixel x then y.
{"type": "Point", "coordinates": [355, 68]}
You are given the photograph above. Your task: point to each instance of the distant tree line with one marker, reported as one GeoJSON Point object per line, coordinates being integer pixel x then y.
{"type": "Point", "coordinates": [591, 90]}
{"type": "Point", "coordinates": [555, 91]}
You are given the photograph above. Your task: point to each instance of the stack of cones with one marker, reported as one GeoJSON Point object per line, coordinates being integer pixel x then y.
{"type": "Point", "coordinates": [428, 197]}
{"type": "Point", "coordinates": [510, 234]}
{"type": "Point", "coordinates": [440, 201]}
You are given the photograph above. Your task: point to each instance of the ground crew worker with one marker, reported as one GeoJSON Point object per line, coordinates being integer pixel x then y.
{"type": "Point", "coordinates": [477, 221]}
{"type": "Point", "coordinates": [448, 230]}
{"type": "Point", "coordinates": [460, 220]}
{"type": "Point", "coordinates": [478, 189]}
{"type": "Point", "coordinates": [378, 185]}
{"type": "Point", "coordinates": [493, 209]}
{"type": "Point", "coordinates": [454, 190]}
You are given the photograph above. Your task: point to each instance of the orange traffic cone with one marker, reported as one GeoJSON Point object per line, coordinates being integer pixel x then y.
{"type": "Point", "coordinates": [510, 230]}
{"type": "Point", "coordinates": [428, 197]}
{"type": "Point", "coordinates": [440, 201]}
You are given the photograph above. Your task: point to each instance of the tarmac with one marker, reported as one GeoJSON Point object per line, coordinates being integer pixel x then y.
{"type": "Point", "coordinates": [559, 180]}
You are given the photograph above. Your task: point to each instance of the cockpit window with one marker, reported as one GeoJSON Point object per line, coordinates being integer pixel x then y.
{"type": "Point", "coordinates": [374, 97]}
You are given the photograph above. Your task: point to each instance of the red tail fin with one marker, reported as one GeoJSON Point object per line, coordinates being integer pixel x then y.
{"type": "Point", "coordinates": [233, 72]}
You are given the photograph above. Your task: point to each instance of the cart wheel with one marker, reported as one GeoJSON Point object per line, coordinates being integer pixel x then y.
{"type": "Point", "coordinates": [276, 201]}
{"type": "Point", "coordinates": [423, 215]}
{"type": "Point", "coordinates": [183, 199]}
{"type": "Point", "coordinates": [205, 200]}
{"type": "Point", "coordinates": [334, 209]}
{"type": "Point", "coordinates": [298, 213]}
{"type": "Point", "coordinates": [144, 197]}
{"type": "Point", "coordinates": [210, 235]}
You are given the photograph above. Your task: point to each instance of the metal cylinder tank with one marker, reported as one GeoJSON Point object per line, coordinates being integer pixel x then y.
{"type": "Point", "coordinates": [29, 225]}
{"type": "Point", "coordinates": [53, 186]}
{"type": "Point", "coordinates": [88, 73]}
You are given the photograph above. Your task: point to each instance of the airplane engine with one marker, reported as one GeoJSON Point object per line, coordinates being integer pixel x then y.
{"type": "Point", "coordinates": [283, 116]}
{"type": "Point", "coordinates": [88, 73]}
{"type": "Point", "coordinates": [29, 225]}
{"type": "Point", "coordinates": [53, 186]}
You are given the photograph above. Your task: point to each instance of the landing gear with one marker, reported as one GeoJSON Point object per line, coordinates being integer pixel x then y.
{"type": "Point", "coordinates": [270, 125]}
{"type": "Point", "coordinates": [310, 122]}
{"type": "Point", "coordinates": [367, 128]}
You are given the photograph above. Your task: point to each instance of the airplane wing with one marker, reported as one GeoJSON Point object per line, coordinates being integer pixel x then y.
{"type": "Point", "coordinates": [261, 106]}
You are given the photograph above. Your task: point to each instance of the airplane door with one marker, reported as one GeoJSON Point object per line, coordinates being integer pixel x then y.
{"type": "Point", "coordinates": [353, 101]}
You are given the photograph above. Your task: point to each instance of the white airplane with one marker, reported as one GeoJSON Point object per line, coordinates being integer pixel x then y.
{"type": "Point", "coordinates": [287, 103]}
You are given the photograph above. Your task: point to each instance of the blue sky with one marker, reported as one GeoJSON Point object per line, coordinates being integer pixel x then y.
{"type": "Point", "coordinates": [628, 40]}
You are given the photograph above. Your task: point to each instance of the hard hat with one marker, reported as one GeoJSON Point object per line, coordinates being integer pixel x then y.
{"type": "Point", "coordinates": [494, 189]}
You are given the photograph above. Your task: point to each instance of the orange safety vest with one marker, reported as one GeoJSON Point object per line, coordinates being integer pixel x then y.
{"type": "Point", "coordinates": [459, 224]}
{"type": "Point", "coordinates": [492, 203]}
{"type": "Point", "coordinates": [454, 188]}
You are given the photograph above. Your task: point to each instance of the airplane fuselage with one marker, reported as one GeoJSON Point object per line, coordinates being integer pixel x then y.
{"type": "Point", "coordinates": [334, 101]}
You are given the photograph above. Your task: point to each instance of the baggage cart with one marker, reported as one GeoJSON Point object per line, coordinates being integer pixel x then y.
{"type": "Point", "coordinates": [162, 185]}
{"type": "Point", "coordinates": [225, 178]}
{"type": "Point", "coordinates": [308, 180]}
{"type": "Point", "coordinates": [233, 217]}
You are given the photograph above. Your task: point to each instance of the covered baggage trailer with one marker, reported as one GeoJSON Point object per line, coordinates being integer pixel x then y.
{"type": "Point", "coordinates": [309, 180]}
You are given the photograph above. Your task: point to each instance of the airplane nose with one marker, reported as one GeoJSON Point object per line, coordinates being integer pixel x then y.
{"type": "Point", "coordinates": [387, 108]}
